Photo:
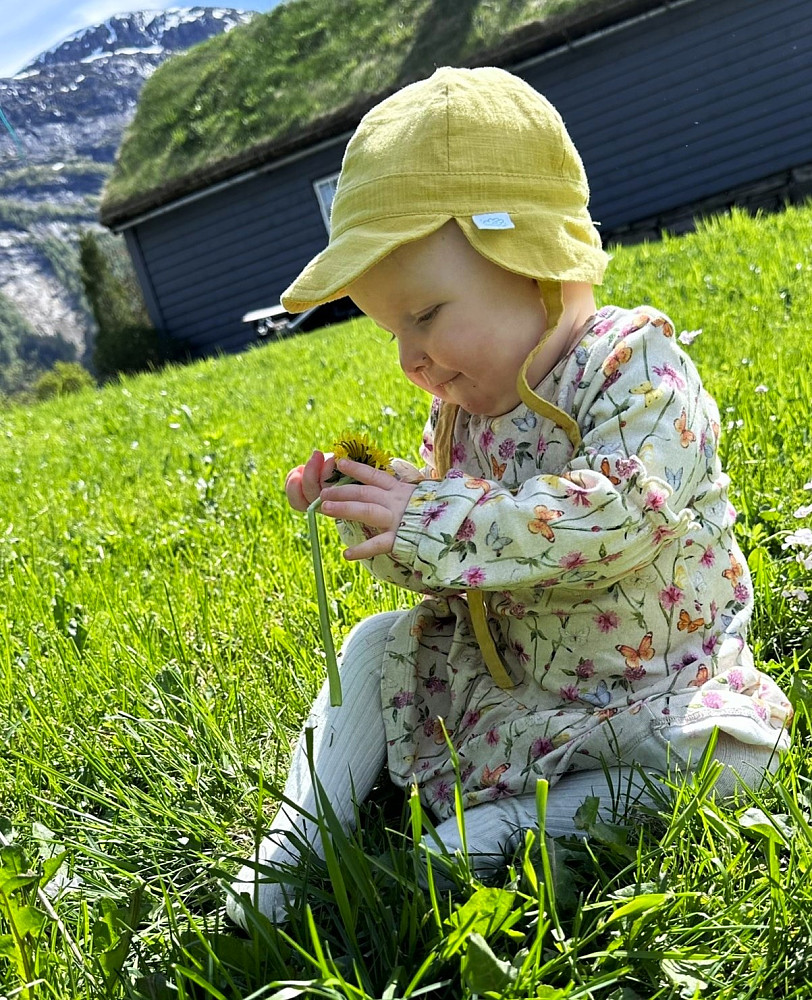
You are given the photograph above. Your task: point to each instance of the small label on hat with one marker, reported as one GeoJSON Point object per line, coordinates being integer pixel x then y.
{"type": "Point", "coordinates": [493, 220]}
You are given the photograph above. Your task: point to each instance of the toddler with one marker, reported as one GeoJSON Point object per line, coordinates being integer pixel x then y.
{"type": "Point", "coordinates": [584, 602]}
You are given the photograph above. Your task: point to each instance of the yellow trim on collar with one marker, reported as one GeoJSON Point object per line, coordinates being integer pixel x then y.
{"type": "Point", "coordinates": [443, 443]}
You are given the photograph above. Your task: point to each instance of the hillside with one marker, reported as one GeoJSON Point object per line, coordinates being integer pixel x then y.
{"type": "Point", "coordinates": [68, 109]}
{"type": "Point", "coordinates": [161, 648]}
{"type": "Point", "coordinates": [230, 102]}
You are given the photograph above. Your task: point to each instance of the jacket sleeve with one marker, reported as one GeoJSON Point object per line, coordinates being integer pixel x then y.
{"type": "Point", "coordinates": [648, 443]}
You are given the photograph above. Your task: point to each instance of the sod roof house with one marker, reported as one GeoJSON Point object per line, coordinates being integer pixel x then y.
{"type": "Point", "coordinates": [223, 184]}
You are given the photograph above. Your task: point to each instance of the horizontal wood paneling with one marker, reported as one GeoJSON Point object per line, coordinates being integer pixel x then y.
{"type": "Point", "coordinates": [218, 257]}
{"type": "Point", "coordinates": [683, 105]}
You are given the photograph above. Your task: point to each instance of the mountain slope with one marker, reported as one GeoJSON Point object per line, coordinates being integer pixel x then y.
{"type": "Point", "coordinates": [69, 108]}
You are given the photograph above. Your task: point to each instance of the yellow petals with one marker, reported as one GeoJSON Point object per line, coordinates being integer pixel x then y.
{"type": "Point", "coordinates": [358, 448]}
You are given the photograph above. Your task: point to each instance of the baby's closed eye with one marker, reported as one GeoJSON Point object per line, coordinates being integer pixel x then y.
{"type": "Point", "coordinates": [428, 316]}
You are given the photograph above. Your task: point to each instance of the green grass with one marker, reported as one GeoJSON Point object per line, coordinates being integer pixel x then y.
{"type": "Point", "coordinates": [159, 649]}
{"type": "Point", "coordinates": [288, 68]}
{"type": "Point", "coordinates": [17, 214]}
{"type": "Point", "coordinates": [45, 176]}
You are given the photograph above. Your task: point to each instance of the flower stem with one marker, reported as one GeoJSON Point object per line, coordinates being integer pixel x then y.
{"type": "Point", "coordinates": [333, 679]}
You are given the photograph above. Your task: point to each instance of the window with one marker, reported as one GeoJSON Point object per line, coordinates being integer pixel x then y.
{"type": "Point", "coordinates": [325, 192]}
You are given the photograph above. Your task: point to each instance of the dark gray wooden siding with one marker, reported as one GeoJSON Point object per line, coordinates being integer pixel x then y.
{"type": "Point", "coordinates": [687, 103]}
{"type": "Point", "coordinates": [205, 264]}
{"type": "Point", "coordinates": [699, 97]}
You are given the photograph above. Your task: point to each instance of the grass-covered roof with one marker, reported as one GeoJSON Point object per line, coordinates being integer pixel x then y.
{"type": "Point", "coordinates": [308, 70]}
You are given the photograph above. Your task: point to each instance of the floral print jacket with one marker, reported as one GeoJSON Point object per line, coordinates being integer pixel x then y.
{"type": "Point", "coordinates": [616, 593]}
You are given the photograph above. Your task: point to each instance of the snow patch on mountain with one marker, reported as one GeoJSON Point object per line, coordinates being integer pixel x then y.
{"type": "Point", "coordinates": [151, 30]}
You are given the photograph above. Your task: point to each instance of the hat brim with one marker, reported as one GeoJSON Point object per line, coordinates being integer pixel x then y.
{"type": "Point", "coordinates": [329, 275]}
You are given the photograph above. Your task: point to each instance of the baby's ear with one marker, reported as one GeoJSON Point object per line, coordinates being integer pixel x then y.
{"type": "Point", "coordinates": [405, 471]}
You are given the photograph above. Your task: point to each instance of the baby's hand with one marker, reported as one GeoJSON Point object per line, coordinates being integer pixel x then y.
{"type": "Point", "coordinates": [375, 499]}
{"type": "Point", "coordinates": [305, 483]}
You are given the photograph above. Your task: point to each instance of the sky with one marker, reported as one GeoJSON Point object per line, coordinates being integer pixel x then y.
{"type": "Point", "coordinates": [33, 26]}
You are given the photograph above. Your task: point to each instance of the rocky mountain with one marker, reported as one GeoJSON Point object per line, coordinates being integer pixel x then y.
{"type": "Point", "coordinates": [63, 116]}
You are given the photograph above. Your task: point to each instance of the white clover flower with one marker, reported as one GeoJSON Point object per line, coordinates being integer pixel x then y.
{"type": "Point", "coordinates": [688, 336]}
{"type": "Point", "coordinates": [801, 538]}
{"type": "Point", "coordinates": [762, 388]}
{"type": "Point", "coordinates": [798, 594]}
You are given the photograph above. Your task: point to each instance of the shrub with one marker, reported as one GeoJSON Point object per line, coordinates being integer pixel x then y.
{"type": "Point", "coordinates": [125, 339]}
{"type": "Point", "coordinates": [64, 378]}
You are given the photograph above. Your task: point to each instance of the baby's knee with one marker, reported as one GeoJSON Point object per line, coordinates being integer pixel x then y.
{"type": "Point", "coordinates": [491, 829]}
{"type": "Point", "coordinates": [746, 766]}
{"type": "Point", "coordinates": [368, 638]}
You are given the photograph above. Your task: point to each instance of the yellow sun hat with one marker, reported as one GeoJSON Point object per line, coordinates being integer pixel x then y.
{"type": "Point", "coordinates": [480, 146]}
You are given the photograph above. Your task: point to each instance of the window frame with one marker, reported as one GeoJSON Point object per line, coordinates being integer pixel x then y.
{"type": "Point", "coordinates": [322, 186]}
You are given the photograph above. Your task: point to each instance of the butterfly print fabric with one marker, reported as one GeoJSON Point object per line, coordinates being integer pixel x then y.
{"type": "Point", "coordinates": [616, 592]}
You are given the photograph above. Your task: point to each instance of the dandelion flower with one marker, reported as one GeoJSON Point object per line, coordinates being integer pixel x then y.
{"type": "Point", "coordinates": [358, 448]}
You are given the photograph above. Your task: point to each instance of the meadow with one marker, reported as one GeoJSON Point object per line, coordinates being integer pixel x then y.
{"type": "Point", "coordinates": [159, 648]}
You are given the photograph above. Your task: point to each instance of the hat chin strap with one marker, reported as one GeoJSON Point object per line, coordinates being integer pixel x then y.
{"type": "Point", "coordinates": [443, 441]}
{"type": "Point", "coordinates": [552, 297]}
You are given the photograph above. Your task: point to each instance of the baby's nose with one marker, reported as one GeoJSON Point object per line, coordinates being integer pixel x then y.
{"type": "Point", "coordinates": [412, 358]}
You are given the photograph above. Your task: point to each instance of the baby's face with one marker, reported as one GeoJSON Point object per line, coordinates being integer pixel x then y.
{"type": "Point", "coordinates": [463, 325]}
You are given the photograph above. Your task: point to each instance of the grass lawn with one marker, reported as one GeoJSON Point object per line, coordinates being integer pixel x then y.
{"type": "Point", "coordinates": [159, 648]}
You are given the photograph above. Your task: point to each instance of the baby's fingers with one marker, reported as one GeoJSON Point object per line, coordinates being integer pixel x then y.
{"type": "Point", "coordinates": [293, 489]}
{"type": "Point", "coordinates": [366, 474]}
{"type": "Point", "coordinates": [305, 483]}
{"type": "Point", "coordinates": [378, 545]}
{"type": "Point", "coordinates": [311, 476]}
{"type": "Point", "coordinates": [372, 514]}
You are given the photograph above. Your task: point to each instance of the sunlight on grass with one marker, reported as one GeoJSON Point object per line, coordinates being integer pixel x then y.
{"type": "Point", "coordinates": [160, 647]}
